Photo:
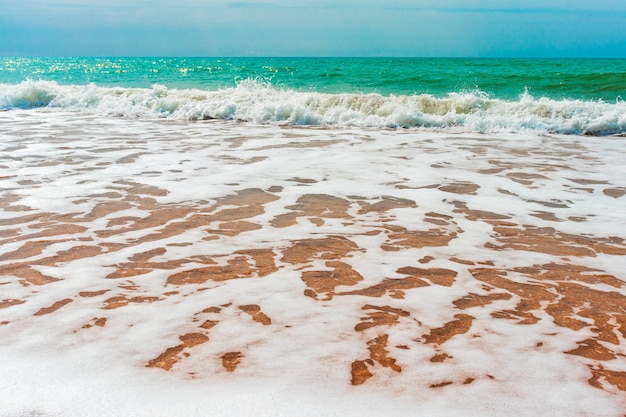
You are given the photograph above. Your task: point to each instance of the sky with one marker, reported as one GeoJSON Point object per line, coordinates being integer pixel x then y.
{"type": "Point", "coordinates": [443, 28]}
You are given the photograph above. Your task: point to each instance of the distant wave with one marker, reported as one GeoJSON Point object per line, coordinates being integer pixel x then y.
{"type": "Point", "coordinates": [258, 102]}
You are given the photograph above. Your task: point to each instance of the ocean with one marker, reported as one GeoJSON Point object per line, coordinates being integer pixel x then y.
{"type": "Point", "coordinates": [569, 96]}
{"type": "Point", "coordinates": [312, 237]}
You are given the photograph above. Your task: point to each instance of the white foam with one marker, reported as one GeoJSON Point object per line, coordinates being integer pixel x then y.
{"type": "Point", "coordinates": [260, 103]}
{"type": "Point", "coordinates": [300, 364]}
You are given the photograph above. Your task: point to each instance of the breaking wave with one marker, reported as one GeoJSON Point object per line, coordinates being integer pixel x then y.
{"type": "Point", "coordinates": [257, 102]}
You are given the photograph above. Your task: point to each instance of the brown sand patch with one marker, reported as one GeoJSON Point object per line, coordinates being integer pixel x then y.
{"type": "Point", "coordinates": [332, 249]}
{"type": "Point", "coordinates": [54, 307]}
{"type": "Point", "coordinates": [75, 253]}
{"type": "Point", "coordinates": [122, 301]}
{"type": "Point", "coordinates": [10, 302]}
{"type": "Point", "coordinates": [426, 259]}
{"type": "Point", "coordinates": [552, 203]}
{"type": "Point", "coordinates": [615, 378]}
{"type": "Point", "coordinates": [193, 339]}
{"type": "Point", "coordinates": [325, 282]}
{"type": "Point", "coordinates": [6, 232]}
{"type": "Point", "coordinates": [401, 238]}
{"type": "Point", "coordinates": [394, 286]}
{"type": "Point", "coordinates": [129, 285]}
{"type": "Point", "coordinates": [158, 217]}
{"type": "Point", "coordinates": [382, 316]}
{"type": "Point", "coordinates": [140, 264]}
{"type": "Point", "coordinates": [545, 215]}
{"type": "Point", "coordinates": [461, 188]}
{"type": "Point", "coordinates": [522, 317]}
{"type": "Point", "coordinates": [565, 294]}
{"type": "Point", "coordinates": [437, 276]}
{"type": "Point", "coordinates": [441, 384]}
{"type": "Point", "coordinates": [208, 324]}
{"type": "Point", "coordinates": [20, 220]}
{"type": "Point", "coordinates": [440, 357]}
{"type": "Point", "coordinates": [378, 353]}
{"type": "Point", "coordinates": [475, 300]}
{"type": "Point", "coordinates": [171, 356]}
{"type": "Point", "coordinates": [441, 335]}
{"type": "Point", "coordinates": [360, 372]}
{"type": "Point", "coordinates": [8, 199]}
{"type": "Point", "coordinates": [577, 219]}
{"type": "Point", "coordinates": [387, 203]}
{"type": "Point", "coordinates": [147, 255]}
{"type": "Point", "coordinates": [49, 230]}
{"type": "Point", "coordinates": [438, 222]}
{"type": "Point", "coordinates": [586, 181]}
{"type": "Point", "coordinates": [462, 261]}
{"type": "Point", "coordinates": [212, 310]}
{"type": "Point", "coordinates": [551, 241]}
{"type": "Point", "coordinates": [92, 293]}
{"type": "Point", "coordinates": [329, 248]}
{"type": "Point", "coordinates": [315, 207]}
{"type": "Point", "coordinates": [592, 349]}
{"type": "Point", "coordinates": [249, 203]}
{"type": "Point", "coordinates": [230, 360]}
{"type": "Point", "coordinates": [257, 315]}
{"type": "Point", "coordinates": [284, 220]}
{"type": "Point", "coordinates": [29, 249]}
{"type": "Point", "coordinates": [570, 272]}
{"type": "Point", "coordinates": [601, 307]}
{"type": "Point", "coordinates": [532, 295]}
{"type": "Point", "coordinates": [488, 216]}
{"type": "Point", "coordinates": [322, 205]}
{"type": "Point", "coordinates": [109, 195]}
{"type": "Point", "coordinates": [615, 192]}
{"type": "Point", "coordinates": [98, 322]}
{"type": "Point", "coordinates": [275, 189]}
{"type": "Point", "coordinates": [565, 298]}
{"type": "Point", "coordinates": [103, 209]}
{"type": "Point", "coordinates": [235, 228]}
{"type": "Point", "coordinates": [525, 178]}
{"type": "Point", "coordinates": [247, 264]}
{"type": "Point", "coordinates": [300, 181]}
{"type": "Point", "coordinates": [438, 215]}
{"type": "Point", "coordinates": [120, 221]}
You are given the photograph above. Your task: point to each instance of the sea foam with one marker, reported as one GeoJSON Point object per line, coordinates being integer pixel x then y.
{"type": "Point", "coordinates": [261, 103]}
{"type": "Point", "coordinates": [345, 272]}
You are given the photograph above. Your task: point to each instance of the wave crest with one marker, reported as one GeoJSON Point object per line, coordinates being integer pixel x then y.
{"type": "Point", "coordinates": [258, 102]}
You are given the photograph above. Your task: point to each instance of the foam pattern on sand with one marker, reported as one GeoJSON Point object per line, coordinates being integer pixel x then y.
{"type": "Point", "coordinates": [238, 269]}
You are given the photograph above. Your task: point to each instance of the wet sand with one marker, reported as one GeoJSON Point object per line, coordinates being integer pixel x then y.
{"type": "Point", "coordinates": [416, 263]}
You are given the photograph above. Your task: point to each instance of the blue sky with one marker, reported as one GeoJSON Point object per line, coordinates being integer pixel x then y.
{"type": "Point", "coordinates": [449, 28]}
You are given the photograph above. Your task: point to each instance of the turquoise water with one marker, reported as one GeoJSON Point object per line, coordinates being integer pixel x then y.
{"type": "Point", "coordinates": [586, 79]}
{"type": "Point", "coordinates": [572, 96]}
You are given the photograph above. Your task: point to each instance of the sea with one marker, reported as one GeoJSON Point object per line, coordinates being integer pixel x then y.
{"type": "Point", "coordinates": [279, 237]}
{"type": "Point", "coordinates": [566, 96]}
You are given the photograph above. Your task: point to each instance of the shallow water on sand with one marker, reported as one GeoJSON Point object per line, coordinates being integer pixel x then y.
{"type": "Point", "coordinates": [405, 271]}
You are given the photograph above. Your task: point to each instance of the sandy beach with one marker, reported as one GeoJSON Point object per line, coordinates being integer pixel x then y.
{"type": "Point", "coordinates": [230, 269]}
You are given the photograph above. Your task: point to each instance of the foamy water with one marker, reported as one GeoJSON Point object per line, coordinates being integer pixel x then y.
{"type": "Point", "coordinates": [261, 103]}
{"type": "Point", "coordinates": [165, 267]}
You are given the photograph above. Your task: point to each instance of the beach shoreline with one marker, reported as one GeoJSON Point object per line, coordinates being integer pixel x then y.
{"type": "Point", "coordinates": [471, 273]}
